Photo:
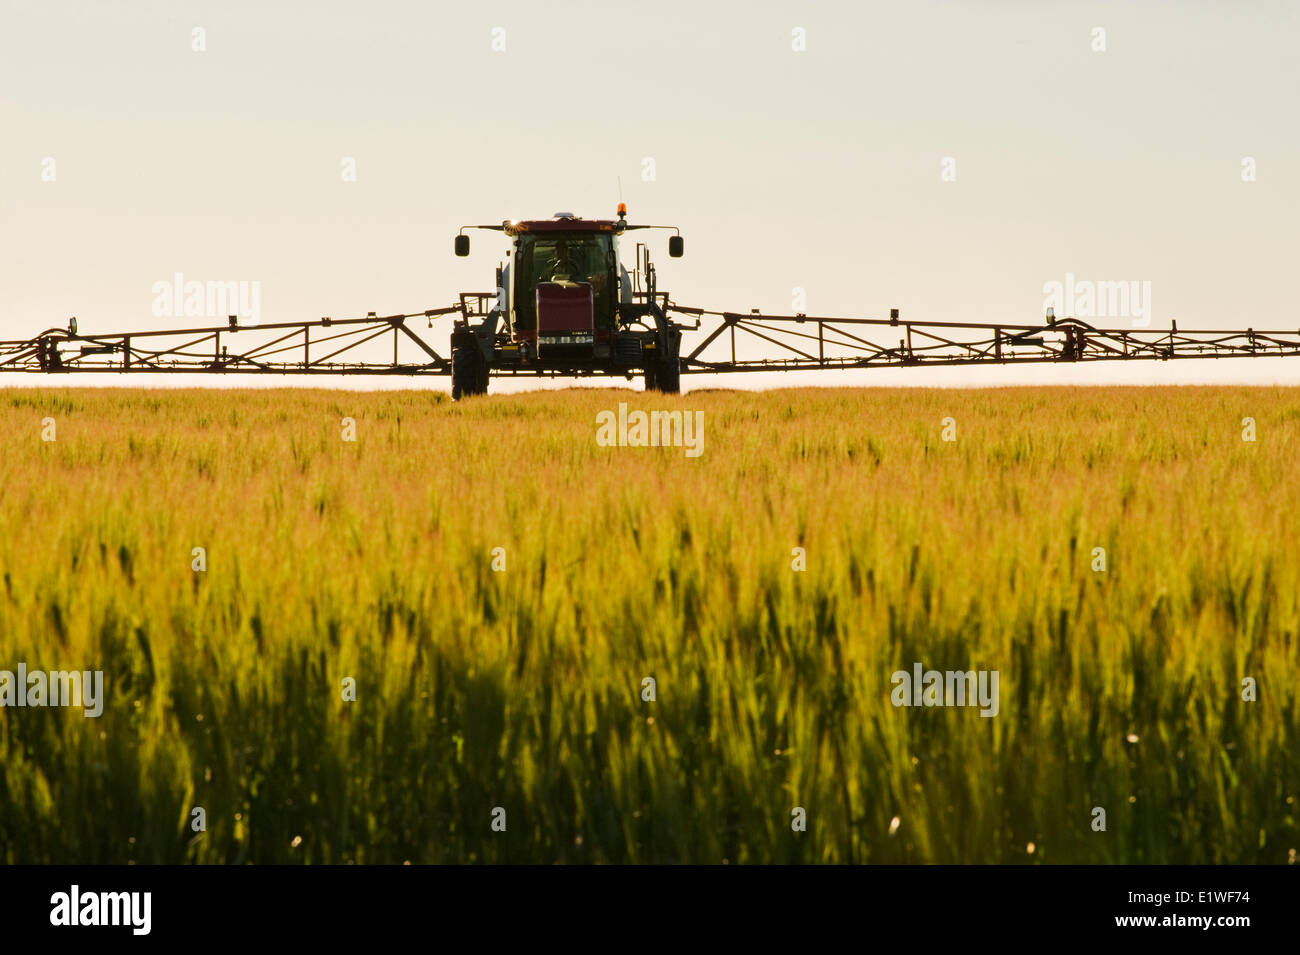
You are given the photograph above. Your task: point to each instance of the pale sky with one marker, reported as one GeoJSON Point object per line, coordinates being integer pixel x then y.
{"type": "Point", "coordinates": [818, 168]}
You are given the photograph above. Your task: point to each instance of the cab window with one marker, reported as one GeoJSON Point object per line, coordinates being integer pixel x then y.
{"type": "Point", "coordinates": [567, 259]}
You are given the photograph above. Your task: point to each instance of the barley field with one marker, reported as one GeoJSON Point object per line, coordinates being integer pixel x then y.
{"type": "Point", "coordinates": [496, 587]}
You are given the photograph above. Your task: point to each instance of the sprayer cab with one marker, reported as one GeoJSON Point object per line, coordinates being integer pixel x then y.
{"type": "Point", "coordinates": [566, 305]}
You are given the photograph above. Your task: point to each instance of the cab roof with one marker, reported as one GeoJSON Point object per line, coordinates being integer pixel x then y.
{"type": "Point", "coordinates": [562, 223]}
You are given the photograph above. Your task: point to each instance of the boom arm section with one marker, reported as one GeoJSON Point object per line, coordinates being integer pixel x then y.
{"type": "Point", "coordinates": [803, 342]}
{"type": "Point", "coordinates": [357, 346]}
{"type": "Point", "coordinates": [328, 346]}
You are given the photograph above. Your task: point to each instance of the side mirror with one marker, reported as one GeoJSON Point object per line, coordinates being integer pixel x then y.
{"type": "Point", "coordinates": [462, 245]}
{"type": "Point", "coordinates": [675, 246]}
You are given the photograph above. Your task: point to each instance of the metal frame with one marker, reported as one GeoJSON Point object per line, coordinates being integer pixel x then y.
{"type": "Point", "coordinates": [286, 348]}
{"type": "Point", "coordinates": [868, 343]}
{"type": "Point", "coordinates": [331, 346]}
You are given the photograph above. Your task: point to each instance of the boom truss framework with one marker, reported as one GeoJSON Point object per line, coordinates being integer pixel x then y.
{"type": "Point", "coordinates": [871, 342]}
{"type": "Point", "coordinates": [358, 346]}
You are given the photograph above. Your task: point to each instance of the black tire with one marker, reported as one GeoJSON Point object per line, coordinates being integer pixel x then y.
{"type": "Point", "coordinates": [652, 376]}
{"type": "Point", "coordinates": [669, 377]}
{"type": "Point", "coordinates": [469, 372]}
{"type": "Point", "coordinates": [627, 351]}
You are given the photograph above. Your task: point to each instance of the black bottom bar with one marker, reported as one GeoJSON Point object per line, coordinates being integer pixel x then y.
{"type": "Point", "coordinates": [942, 905]}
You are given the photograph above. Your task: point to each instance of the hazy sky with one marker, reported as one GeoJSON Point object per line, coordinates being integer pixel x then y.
{"type": "Point", "coordinates": [819, 168]}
